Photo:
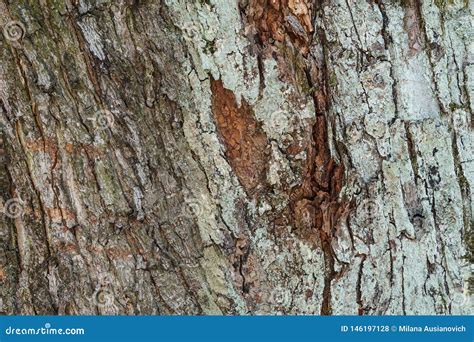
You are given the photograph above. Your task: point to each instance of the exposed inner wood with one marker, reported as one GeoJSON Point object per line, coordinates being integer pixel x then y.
{"type": "Point", "coordinates": [246, 143]}
{"type": "Point", "coordinates": [276, 20]}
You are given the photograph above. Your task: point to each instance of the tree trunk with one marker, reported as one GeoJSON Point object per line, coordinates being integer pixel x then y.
{"type": "Point", "coordinates": [225, 157]}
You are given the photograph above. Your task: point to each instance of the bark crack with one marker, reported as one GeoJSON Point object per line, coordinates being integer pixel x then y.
{"type": "Point", "coordinates": [361, 309]}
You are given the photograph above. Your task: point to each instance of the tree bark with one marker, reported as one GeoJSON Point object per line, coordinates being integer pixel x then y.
{"type": "Point", "coordinates": [226, 157]}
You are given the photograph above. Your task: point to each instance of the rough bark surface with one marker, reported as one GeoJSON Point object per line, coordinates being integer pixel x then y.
{"type": "Point", "coordinates": [236, 157]}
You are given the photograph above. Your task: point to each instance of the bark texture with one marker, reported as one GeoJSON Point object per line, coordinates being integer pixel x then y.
{"type": "Point", "coordinates": [236, 157]}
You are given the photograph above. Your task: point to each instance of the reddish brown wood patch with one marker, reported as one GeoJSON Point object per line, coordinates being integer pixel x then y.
{"type": "Point", "coordinates": [413, 27]}
{"type": "Point", "coordinates": [242, 136]}
{"type": "Point", "coordinates": [273, 20]}
{"type": "Point", "coordinates": [316, 205]}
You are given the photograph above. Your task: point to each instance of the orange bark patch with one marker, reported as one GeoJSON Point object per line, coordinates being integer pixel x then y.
{"type": "Point", "coordinates": [277, 19]}
{"type": "Point", "coordinates": [242, 136]}
{"type": "Point", "coordinates": [118, 253]}
{"type": "Point", "coordinates": [267, 18]}
{"type": "Point", "coordinates": [59, 214]}
{"type": "Point", "coordinates": [302, 9]}
{"type": "Point", "coordinates": [50, 147]}
{"type": "Point", "coordinates": [47, 146]}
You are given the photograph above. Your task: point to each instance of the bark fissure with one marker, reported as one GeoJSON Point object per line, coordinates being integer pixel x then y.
{"type": "Point", "coordinates": [359, 301]}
